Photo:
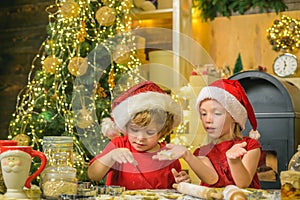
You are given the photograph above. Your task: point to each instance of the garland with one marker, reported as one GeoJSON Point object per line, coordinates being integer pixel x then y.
{"type": "Point", "coordinates": [210, 9]}
{"type": "Point", "coordinates": [284, 34]}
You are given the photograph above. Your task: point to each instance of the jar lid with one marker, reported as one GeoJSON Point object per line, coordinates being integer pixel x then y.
{"type": "Point", "coordinates": [58, 139]}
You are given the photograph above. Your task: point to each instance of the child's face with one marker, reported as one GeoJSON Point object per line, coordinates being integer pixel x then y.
{"type": "Point", "coordinates": [217, 122]}
{"type": "Point", "coordinates": [143, 138]}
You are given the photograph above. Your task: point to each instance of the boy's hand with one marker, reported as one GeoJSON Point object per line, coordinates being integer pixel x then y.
{"type": "Point", "coordinates": [181, 176]}
{"type": "Point", "coordinates": [236, 151]}
{"type": "Point", "coordinates": [122, 155]}
{"type": "Point", "coordinates": [173, 152]}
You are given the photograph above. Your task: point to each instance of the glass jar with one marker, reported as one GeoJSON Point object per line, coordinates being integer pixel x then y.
{"type": "Point", "coordinates": [59, 177]}
{"type": "Point", "coordinates": [294, 163]}
{"type": "Point", "coordinates": [290, 184]}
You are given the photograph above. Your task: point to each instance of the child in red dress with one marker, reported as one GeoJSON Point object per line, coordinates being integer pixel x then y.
{"type": "Point", "coordinates": [230, 158]}
{"type": "Point", "coordinates": [144, 114]}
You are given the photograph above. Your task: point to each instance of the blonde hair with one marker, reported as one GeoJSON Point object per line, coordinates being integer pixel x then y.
{"type": "Point", "coordinates": [160, 117]}
{"type": "Point", "coordinates": [237, 131]}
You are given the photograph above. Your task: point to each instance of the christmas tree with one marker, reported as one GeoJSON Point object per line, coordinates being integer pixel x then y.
{"type": "Point", "coordinates": [70, 84]}
{"type": "Point", "coordinates": [238, 66]}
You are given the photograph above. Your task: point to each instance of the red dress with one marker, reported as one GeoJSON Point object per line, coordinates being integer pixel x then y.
{"type": "Point", "coordinates": [150, 174]}
{"type": "Point", "coordinates": [216, 154]}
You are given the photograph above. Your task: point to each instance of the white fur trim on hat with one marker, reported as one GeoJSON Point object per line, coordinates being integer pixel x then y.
{"type": "Point", "coordinates": [124, 111]}
{"type": "Point", "coordinates": [109, 128]}
{"type": "Point", "coordinates": [227, 100]}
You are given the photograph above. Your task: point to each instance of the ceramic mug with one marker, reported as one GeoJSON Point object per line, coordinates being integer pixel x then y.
{"type": "Point", "coordinates": [15, 163]}
{"type": "Point", "coordinates": [5, 143]}
{"type": "Point", "coordinates": [8, 143]}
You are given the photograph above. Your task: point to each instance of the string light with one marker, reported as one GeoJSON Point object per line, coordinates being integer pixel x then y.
{"type": "Point", "coordinates": [44, 106]}
{"type": "Point", "coordinates": [284, 34]}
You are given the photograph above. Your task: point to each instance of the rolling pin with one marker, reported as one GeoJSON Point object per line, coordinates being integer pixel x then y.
{"type": "Point", "coordinates": [232, 192]}
{"type": "Point", "coordinates": [198, 191]}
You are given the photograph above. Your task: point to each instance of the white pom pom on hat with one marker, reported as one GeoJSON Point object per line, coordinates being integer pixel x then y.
{"type": "Point", "coordinates": [143, 96]}
{"type": "Point", "coordinates": [232, 96]}
{"type": "Point", "coordinates": [109, 128]}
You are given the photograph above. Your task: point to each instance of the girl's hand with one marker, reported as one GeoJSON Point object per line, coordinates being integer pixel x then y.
{"type": "Point", "coordinates": [236, 151]}
{"type": "Point", "coordinates": [181, 176]}
{"type": "Point", "coordinates": [173, 152]}
{"type": "Point", "coordinates": [122, 155]}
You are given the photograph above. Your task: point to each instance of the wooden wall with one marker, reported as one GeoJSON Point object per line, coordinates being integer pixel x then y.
{"type": "Point", "coordinates": [22, 31]}
{"type": "Point", "coordinates": [246, 35]}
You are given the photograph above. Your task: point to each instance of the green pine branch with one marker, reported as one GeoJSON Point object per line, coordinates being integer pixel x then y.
{"type": "Point", "coordinates": [210, 9]}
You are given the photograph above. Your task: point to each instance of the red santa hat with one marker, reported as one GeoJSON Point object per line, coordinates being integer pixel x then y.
{"type": "Point", "coordinates": [232, 96]}
{"type": "Point", "coordinates": [144, 96]}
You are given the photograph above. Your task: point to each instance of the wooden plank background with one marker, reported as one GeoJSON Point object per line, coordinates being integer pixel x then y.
{"type": "Point", "coordinates": [22, 31]}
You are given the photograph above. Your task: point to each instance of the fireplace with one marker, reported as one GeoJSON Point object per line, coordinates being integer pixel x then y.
{"type": "Point", "coordinates": [268, 167]}
{"type": "Point", "coordinates": [276, 104]}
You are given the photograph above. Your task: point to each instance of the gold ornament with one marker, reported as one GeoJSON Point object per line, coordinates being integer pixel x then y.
{"type": "Point", "coordinates": [50, 64]}
{"type": "Point", "coordinates": [126, 4]}
{"type": "Point", "coordinates": [70, 9]}
{"type": "Point", "coordinates": [100, 91]}
{"type": "Point", "coordinates": [121, 55]}
{"type": "Point", "coordinates": [78, 66]}
{"type": "Point", "coordinates": [111, 79]}
{"type": "Point", "coordinates": [84, 118]}
{"type": "Point", "coordinates": [285, 34]}
{"type": "Point", "coordinates": [22, 139]}
{"type": "Point", "coordinates": [82, 33]}
{"type": "Point", "coordinates": [106, 16]}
